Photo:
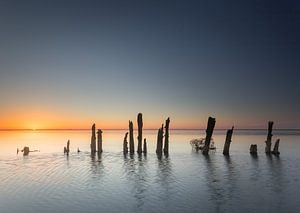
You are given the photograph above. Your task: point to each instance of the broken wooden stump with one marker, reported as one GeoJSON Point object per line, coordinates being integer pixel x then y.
{"type": "Point", "coordinates": [166, 146]}
{"type": "Point", "coordinates": [125, 144]}
{"type": "Point", "coordinates": [209, 131]}
{"type": "Point", "coordinates": [145, 146]}
{"type": "Point", "coordinates": [67, 149]}
{"type": "Point", "coordinates": [269, 138]}
{"type": "Point", "coordinates": [140, 132]}
{"type": "Point", "coordinates": [25, 151]}
{"type": "Point", "coordinates": [99, 141]}
{"type": "Point", "coordinates": [131, 139]}
{"type": "Point", "coordinates": [276, 148]}
{"type": "Point", "coordinates": [159, 144]}
{"type": "Point", "coordinates": [227, 141]}
{"type": "Point", "coordinates": [93, 140]}
{"type": "Point", "coordinates": [253, 149]}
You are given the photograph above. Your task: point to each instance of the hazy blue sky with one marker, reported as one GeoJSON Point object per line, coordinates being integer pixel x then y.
{"type": "Point", "coordinates": [69, 63]}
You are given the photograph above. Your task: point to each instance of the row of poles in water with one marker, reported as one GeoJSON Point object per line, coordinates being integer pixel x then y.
{"type": "Point", "coordinates": [162, 145]}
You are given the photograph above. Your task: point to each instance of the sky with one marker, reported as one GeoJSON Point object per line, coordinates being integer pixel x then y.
{"type": "Point", "coordinates": [68, 64]}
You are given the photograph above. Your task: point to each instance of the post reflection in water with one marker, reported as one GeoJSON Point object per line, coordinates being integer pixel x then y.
{"type": "Point", "coordinates": [137, 177]}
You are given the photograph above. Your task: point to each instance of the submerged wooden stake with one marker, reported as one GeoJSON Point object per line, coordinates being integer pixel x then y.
{"type": "Point", "coordinates": [209, 131]}
{"type": "Point", "coordinates": [276, 148]}
{"type": "Point", "coordinates": [125, 144]}
{"type": "Point", "coordinates": [99, 141]}
{"type": "Point", "coordinates": [269, 138]}
{"type": "Point", "coordinates": [253, 149]}
{"type": "Point", "coordinates": [166, 147]}
{"type": "Point", "coordinates": [145, 146]}
{"type": "Point", "coordinates": [140, 132]}
{"type": "Point", "coordinates": [227, 141]}
{"type": "Point", "coordinates": [131, 139]}
{"type": "Point", "coordinates": [159, 143]}
{"type": "Point", "coordinates": [93, 139]}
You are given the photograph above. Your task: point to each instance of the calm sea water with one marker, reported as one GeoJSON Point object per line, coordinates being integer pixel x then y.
{"type": "Point", "coordinates": [186, 181]}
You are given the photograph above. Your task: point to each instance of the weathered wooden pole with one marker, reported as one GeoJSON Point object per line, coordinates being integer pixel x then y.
{"type": "Point", "coordinates": [159, 144]}
{"type": "Point", "coordinates": [140, 132]}
{"type": "Point", "coordinates": [276, 148]}
{"type": "Point", "coordinates": [269, 138]}
{"type": "Point", "coordinates": [253, 149]}
{"type": "Point", "coordinates": [99, 141]}
{"type": "Point", "coordinates": [125, 144]}
{"type": "Point", "coordinates": [209, 131]}
{"type": "Point", "coordinates": [93, 139]}
{"type": "Point", "coordinates": [67, 149]}
{"type": "Point", "coordinates": [166, 146]}
{"type": "Point", "coordinates": [227, 141]}
{"type": "Point", "coordinates": [145, 146]}
{"type": "Point", "coordinates": [131, 139]}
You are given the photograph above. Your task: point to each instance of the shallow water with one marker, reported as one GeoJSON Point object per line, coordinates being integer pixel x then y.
{"type": "Point", "coordinates": [186, 181]}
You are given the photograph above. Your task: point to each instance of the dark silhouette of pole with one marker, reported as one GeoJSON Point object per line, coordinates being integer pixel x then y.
{"type": "Point", "coordinates": [140, 132]}
{"type": "Point", "coordinates": [99, 141]}
{"type": "Point", "coordinates": [93, 139]}
{"type": "Point", "coordinates": [125, 144]}
{"type": "Point", "coordinates": [145, 146]}
{"type": "Point", "coordinates": [209, 131]}
{"type": "Point", "coordinates": [269, 138]}
{"type": "Point", "coordinates": [227, 141]}
{"type": "Point", "coordinates": [159, 143]}
{"type": "Point", "coordinates": [276, 148]}
{"type": "Point", "coordinates": [166, 146]}
{"type": "Point", "coordinates": [131, 139]}
{"type": "Point", "coordinates": [253, 149]}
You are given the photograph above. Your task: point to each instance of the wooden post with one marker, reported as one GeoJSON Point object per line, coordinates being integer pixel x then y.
{"type": "Point", "coordinates": [227, 141]}
{"type": "Point", "coordinates": [67, 149]}
{"type": "Point", "coordinates": [253, 149]}
{"type": "Point", "coordinates": [159, 143]}
{"type": "Point", "coordinates": [276, 147]}
{"type": "Point", "coordinates": [145, 146]}
{"type": "Point", "coordinates": [140, 132]}
{"type": "Point", "coordinates": [209, 131]}
{"type": "Point", "coordinates": [99, 141]}
{"type": "Point", "coordinates": [125, 144]}
{"type": "Point", "coordinates": [93, 139]}
{"type": "Point", "coordinates": [269, 138]}
{"type": "Point", "coordinates": [166, 147]}
{"type": "Point", "coordinates": [131, 139]}
{"type": "Point", "coordinates": [25, 151]}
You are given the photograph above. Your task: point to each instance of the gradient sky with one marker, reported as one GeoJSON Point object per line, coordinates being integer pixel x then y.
{"type": "Point", "coordinates": [66, 64]}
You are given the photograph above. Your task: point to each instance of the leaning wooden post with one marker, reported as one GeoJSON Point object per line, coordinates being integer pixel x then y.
{"type": "Point", "coordinates": [227, 141]}
{"type": "Point", "coordinates": [209, 131]}
{"type": "Point", "coordinates": [166, 147]}
{"type": "Point", "coordinates": [93, 139]}
{"type": "Point", "coordinates": [276, 147]}
{"type": "Point", "coordinates": [99, 141]}
{"type": "Point", "coordinates": [269, 138]}
{"type": "Point", "coordinates": [125, 144]}
{"type": "Point", "coordinates": [140, 132]}
{"type": "Point", "coordinates": [131, 139]}
{"type": "Point", "coordinates": [159, 143]}
{"type": "Point", "coordinates": [145, 146]}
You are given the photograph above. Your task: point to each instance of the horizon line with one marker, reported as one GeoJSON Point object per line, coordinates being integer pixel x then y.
{"type": "Point", "coordinates": [86, 129]}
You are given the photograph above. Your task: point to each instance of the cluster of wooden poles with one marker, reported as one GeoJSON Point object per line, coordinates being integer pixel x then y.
{"type": "Point", "coordinates": [253, 148]}
{"type": "Point", "coordinates": [162, 145]}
